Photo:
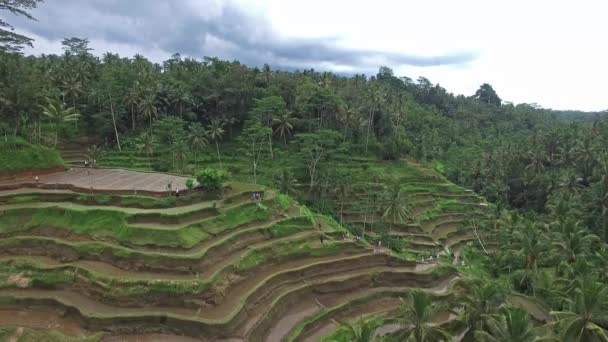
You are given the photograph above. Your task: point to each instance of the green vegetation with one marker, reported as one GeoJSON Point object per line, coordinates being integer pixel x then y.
{"type": "Point", "coordinates": [211, 179]}
{"type": "Point", "coordinates": [114, 225]}
{"type": "Point", "coordinates": [384, 158]}
{"type": "Point", "coordinates": [19, 155]}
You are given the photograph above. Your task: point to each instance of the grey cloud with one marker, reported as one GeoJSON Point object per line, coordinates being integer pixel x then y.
{"type": "Point", "coordinates": [176, 26]}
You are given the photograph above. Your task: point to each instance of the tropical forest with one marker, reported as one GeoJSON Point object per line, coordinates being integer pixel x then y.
{"type": "Point", "coordinates": [204, 199]}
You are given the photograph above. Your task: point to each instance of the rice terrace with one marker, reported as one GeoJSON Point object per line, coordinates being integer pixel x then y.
{"type": "Point", "coordinates": [306, 184]}
{"type": "Point", "coordinates": [82, 249]}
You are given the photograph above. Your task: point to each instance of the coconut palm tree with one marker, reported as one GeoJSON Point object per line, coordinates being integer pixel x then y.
{"type": "Point", "coordinates": [480, 298]}
{"type": "Point", "coordinates": [59, 115]}
{"type": "Point", "coordinates": [394, 208]}
{"type": "Point", "coordinates": [215, 131]}
{"type": "Point", "coordinates": [147, 144]}
{"type": "Point", "coordinates": [147, 106]}
{"type": "Point", "coordinates": [511, 325]}
{"type": "Point", "coordinates": [572, 240]}
{"type": "Point", "coordinates": [197, 137]}
{"type": "Point", "coordinates": [587, 313]}
{"type": "Point", "coordinates": [285, 182]}
{"type": "Point", "coordinates": [374, 98]}
{"type": "Point", "coordinates": [132, 100]}
{"type": "Point", "coordinates": [361, 331]}
{"type": "Point", "coordinates": [418, 312]}
{"type": "Point", "coordinates": [180, 152]}
{"type": "Point", "coordinates": [530, 242]}
{"type": "Point", "coordinates": [283, 125]}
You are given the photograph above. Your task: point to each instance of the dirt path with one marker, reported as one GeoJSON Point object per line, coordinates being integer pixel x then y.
{"type": "Point", "coordinates": [111, 179]}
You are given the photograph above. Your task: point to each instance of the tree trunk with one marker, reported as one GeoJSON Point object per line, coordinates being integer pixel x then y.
{"type": "Point", "coordinates": [132, 118]}
{"type": "Point", "coordinates": [270, 142]}
{"type": "Point", "coordinates": [255, 173]}
{"type": "Point", "coordinates": [217, 147]}
{"type": "Point", "coordinates": [342, 210]}
{"type": "Point", "coordinates": [114, 123]}
{"type": "Point", "coordinates": [369, 127]}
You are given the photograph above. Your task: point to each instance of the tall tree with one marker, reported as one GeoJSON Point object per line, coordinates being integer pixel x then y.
{"type": "Point", "coordinates": [486, 94]}
{"type": "Point", "coordinates": [418, 312]}
{"type": "Point", "coordinates": [58, 115]}
{"type": "Point", "coordinates": [316, 147]}
{"type": "Point", "coordinates": [9, 40]}
{"type": "Point", "coordinates": [197, 137]}
{"type": "Point", "coordinates": [215, 131]}
{"type": "Point", "coordinates": [395, 209]}
{"type": "Point", "coordinates": [254, 142]}
{"type": "Point", "coordinates": [586, 314]}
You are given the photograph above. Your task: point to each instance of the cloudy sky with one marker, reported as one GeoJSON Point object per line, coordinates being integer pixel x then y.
{"type": "Point", "coordinates": [550, 52]}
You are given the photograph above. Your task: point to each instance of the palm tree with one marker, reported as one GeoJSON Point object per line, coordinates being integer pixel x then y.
{"type": "Point", "coordinates": [72, 88]}
{"type": "Point", "coordinates": [197, 137]}
{"type": "Point", "coordinates": [180, 152]}
{"type": "Point", "coordinates": [215, 131]}
{"type": "Point", "coordinates": [395, 209]}
{"type": "Point", "coordinates": [374, 98]}
{"type": "Point", "coordinates": [584, 152]}
{"type": "Point", "coordinates": [285, 182]}
{"type": "Point", "coordinates": [587, 312]}
{"type": "Point", "coordinates": [94, 153]}
{"type": "Point", "coordinates": [572, 240]}
{"type": "Point", "coordinates": [181, 98]}
{"type": "Point", "coordinates": [132, 100]}
{"type": "Point", "coordinates": [480, 299]}
{"type": "Point", "coordinates": [511, 325]}
{"type": "Point", "coordinates": [283, 126]}
{"type": "Point", "coordinates": [418, 312]}
{"type": "Point", "coordinates": [529, 242]}
{"type": "Point", "coordinates": [147, 144]}
{"type": "Point", "coordinates": [343, 190]}
{"type": "Point", "coordinates": [58, 115]}
{"type": "Point", "coordinates": [362, 331]}
{"type": "Point", "coordinates": [537, 160]}
{"type": "Point", "coordinates": [147, 106]}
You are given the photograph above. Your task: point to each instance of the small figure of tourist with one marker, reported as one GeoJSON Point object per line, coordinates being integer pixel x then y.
{"type": "Point", "coordinates": [177, 192]}
{"type": "Point", "coordinates": [86, 163]}
{"type": "Point", "coordinates": [36, 179]}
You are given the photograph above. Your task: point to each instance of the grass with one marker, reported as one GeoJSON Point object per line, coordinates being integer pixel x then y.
{"type": "Point", "coordinates": [114, 225]}
{"type": "Point", "coordinates": [19, 155]}
{"type": "Point", "coordinates": [444, 206]}
{"type": "Point", "coordinates": [292, 249]}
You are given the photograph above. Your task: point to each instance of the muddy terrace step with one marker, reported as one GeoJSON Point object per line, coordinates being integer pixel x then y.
{"type": "Point", "coordinates": [336, 293]}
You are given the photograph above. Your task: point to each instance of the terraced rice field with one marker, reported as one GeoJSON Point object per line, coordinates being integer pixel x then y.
{"type": "Point", "coordinates": [124, 267]}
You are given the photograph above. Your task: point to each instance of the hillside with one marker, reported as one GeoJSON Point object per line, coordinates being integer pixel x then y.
{"type": "Point", "coordinates": [19, 157]}
{"type": "Point", "coordinates": [210, 267]}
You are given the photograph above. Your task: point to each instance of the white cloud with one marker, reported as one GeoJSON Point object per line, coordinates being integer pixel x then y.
{"type": "Point", "coordinates": [551, 52]}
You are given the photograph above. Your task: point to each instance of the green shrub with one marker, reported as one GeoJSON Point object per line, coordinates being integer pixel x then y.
{"type": "Point", "coordinates": [190, 183]}
{"type": "Point", "coordinates": [212, 179]}
{"type": "Point", "coordinates": [18, 154]}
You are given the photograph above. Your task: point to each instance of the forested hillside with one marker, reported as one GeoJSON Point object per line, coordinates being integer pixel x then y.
{"type": "Point", "coordinates": [315, 135]}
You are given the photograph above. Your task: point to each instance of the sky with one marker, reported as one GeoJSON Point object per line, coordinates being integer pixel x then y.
{"type": "Point", "coordinates": [549, 52]}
